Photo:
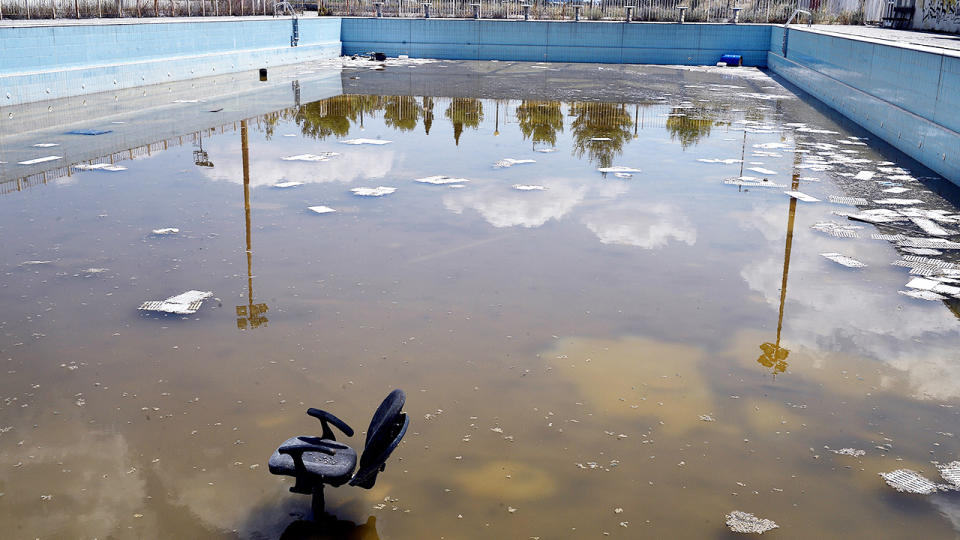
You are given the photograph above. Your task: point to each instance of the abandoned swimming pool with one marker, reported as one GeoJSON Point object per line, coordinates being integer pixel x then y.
{"type": "Point", "coordinates": [606, 311]}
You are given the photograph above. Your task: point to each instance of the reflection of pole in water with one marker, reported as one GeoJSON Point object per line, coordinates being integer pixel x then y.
{"type": "Point", "coordinates": [773, 355]}
{"type": "Point", "coordinates": [250, 315]}
{"type": "Point", "coordinates": [496, 127]}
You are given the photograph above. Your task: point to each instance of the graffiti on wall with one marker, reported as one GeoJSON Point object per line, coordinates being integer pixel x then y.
{"type": "Point", "coordinates": [938, 15]}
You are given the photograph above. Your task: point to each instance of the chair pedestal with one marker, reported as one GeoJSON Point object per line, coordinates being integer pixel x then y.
{"type": "Point", "coordinates": [317, 502]}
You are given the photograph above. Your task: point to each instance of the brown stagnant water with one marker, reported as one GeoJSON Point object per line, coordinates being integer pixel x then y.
{"type": "Point", "coordinates": [558, 347]}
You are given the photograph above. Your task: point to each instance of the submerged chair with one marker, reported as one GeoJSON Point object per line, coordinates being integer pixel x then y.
{"type": "Point", "coordinates": [316, 461]}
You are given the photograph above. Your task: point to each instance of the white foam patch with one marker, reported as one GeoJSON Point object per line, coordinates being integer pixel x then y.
{"type": "Point", "coordinates": [440, 180]}
{"type": "Point", "coordinates": [510, 162]}
{"type": "Point", "coordinates": [378, 191]}
{"type": "Point", "coordinates": [366, 141]}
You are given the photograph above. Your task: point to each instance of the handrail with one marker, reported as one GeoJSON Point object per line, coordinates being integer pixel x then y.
{"type": "Point", "coordinates": [798, 12]}
{"type": "Point", "coordinates": [285, 8]}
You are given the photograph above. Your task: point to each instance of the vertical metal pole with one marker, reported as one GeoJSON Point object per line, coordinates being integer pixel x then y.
{"type": "Point", "coordinates": [76, 7]}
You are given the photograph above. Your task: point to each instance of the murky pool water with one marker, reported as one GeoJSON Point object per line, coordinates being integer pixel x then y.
{"type": "Point", "coordinates": [633, 353]}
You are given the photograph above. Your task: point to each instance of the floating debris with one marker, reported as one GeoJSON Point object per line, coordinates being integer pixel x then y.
{"type": "Point", "coordinates": [729, 161]}
{"type": "Point", "coordinates": [933, 243]}
{"type": "Point", "coordinates": [165, 231]}
{"type": "Point", "coordinates": [522, 187]}
{"type": "Point", "coordinates": [440, 180]}
{"type": "Point", "coordinates": [32, 263]}
{"type": "Point", "coordinates": [852, 201]}
{"type": "Point", "coordinates": [546, 150]}
{"type": "Point", "coordinates": [183, 304]}
{"type": "Point", "coordinates": [888, 237]}
{"type": "Point", "coordinates": [922, 251]}
{"type": "Point", "coordinates": [930, 227]}
{"type": "Point", "coordinates": [510, 162]}
{"type": "Point", "coordinates": [707, 418]}
{"type": "Point", "coordinates": [46, 145]}
{"type": "Point", "coordinates": [378, 191]}
{"type": "Point", "coordinates": [896, 190]}
{"type": "Point", "coordinates": [321, 209]}
{"type": "Point", "coordinates": [99, 167]}
{"type": "Point", "coordinates": [311, 157]}
{"type": "Point", "coordinates": [849, 452]}
{"type": "Point", "coordinates": [743, 522]}
{"type": "Point", "coordinates": [951, 473]}
{"type": "Point", "coordinates": [623, 175]}
{"type": "Point", "coordinates": [366, 141]}
{"type": "Point", "coordinates": [899, 202]}
{"type": "Point", "coordinates": [877, 215]}
{"type": "Point", "coordinates": [849, 262]}
{"type": "Point", "coordinates": [923, 295]}
{"type": "Point", "coordinates": [751, 181]}
{"type": "Point", "coordinates": [771, 145]}
{"type": "Point", "coordinates": [802, 196]}
{"type": "Point", "coordinates": [618, 169]}
{"type": "Point", "coordinates": [933, 285]}
{"type": "Point", "coordinates": [837, 230]}
{"type": "Point", "coordinates": [598, 138]}
{"type": "Point", "coordinates": [907, 481]}
{"type": "Point", "coordinates": [761, 170]}
{"type": "Point", "coordinates": [290, 184]}
{"type": "Point", "coordinates": [39, 160]}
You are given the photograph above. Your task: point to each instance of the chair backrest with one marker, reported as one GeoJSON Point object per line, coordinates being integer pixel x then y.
{"type": "Point", "coordinates": [387, 428]}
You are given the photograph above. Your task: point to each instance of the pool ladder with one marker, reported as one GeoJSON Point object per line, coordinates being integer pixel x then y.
{"type": "Point", "coordinates": [799, 11]}
{"type": "Point", "coordinates": [284, 7]}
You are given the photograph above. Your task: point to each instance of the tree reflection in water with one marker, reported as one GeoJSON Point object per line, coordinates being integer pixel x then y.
{"type": "Point", "coordinates": [540, 121]}
{"type": "Point", "coordinates": [401, 112]}
{"type": "Point", "coordinates": [689, 125]}
{"type": "Point", "coordinates": [594, 124]}
{"type": "Point", "coordinates": [464, 112]}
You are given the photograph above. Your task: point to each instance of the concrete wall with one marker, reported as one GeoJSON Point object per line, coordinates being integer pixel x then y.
{"type": "Point", "coordinates": [50, 61]}
{"type": "Point", "coordinates": [557, 41]}
{"type": "Point", "coordinates": [942, 15]}
{"type": "Point", "coordinates": [909, 97]}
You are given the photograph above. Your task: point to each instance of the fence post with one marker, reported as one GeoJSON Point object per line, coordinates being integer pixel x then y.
{"type": "Point", "coordinates": [76, 7]}
{"type": "Point", "coordinates": [629, 13]}
{"type": "Point", "coordinates": [526, 11]}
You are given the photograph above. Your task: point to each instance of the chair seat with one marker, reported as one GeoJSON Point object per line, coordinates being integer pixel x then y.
{"type": "Point", "coordinates": [334, 470]}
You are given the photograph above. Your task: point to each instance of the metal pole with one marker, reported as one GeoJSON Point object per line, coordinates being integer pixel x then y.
{"type": "Point", "coordinates": [76, 7]}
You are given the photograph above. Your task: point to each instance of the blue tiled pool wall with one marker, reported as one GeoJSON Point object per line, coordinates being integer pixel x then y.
{"type": "Point", "coordinates": [907, 97]}
{"type": "Point", "coordinates": [50, 62]}
{"type": "Point", "coordinates": [557, 41]}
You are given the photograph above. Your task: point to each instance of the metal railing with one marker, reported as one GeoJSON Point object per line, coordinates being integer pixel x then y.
{"type": "Point", "coordinates": [761, 11]}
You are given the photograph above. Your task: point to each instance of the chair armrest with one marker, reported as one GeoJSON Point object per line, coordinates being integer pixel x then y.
{"type": "Point", "coordinates": [325, 417]}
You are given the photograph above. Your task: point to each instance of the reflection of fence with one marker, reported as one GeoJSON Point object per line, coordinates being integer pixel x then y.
{"type": "Point", "coordinates": [776, 11]}
{"type": "Point", "coordinates": [147, 150]}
